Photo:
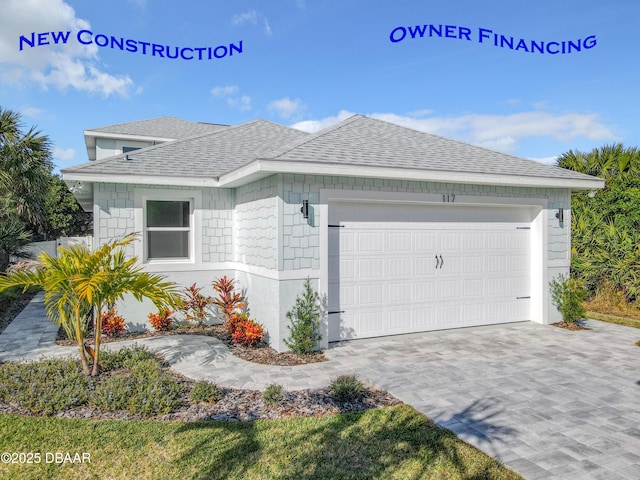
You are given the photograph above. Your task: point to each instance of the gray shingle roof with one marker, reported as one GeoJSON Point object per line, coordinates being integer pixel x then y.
{"type": "Point", "coordinates": [357, 141]}
{"type": "Point", "coordinates": [207, 155]}
{"type": "Point", "coordinates": [361, 140]}
{"type": "Point", "coordinates": [162, 127]}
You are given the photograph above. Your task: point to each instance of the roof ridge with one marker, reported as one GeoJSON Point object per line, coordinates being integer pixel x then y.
{"type": "Point", "coordinates": [278, 152]}
{"type": "Point", "coordinates": [459, 142]}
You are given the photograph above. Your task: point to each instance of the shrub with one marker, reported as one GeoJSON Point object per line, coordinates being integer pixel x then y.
{"type": "Point", "coordinates": [230, 303]}
{"type": "Point", "coordinates": [234, 320]}
{"type": "Point", "coordinates": [205, 392]}
{"type": "Point", "coordinates": [305, 322]}
{"type": "Point", "coordinates": [162, 321]}
{"type": "Point", "coordinates": [144, 390]}
{"type": "Point", "coordinates": [46, 386]}
{"type": "Point", "coordinates": [567, 295]}
{"type": "Point", "coordinates": [113, 324]}
{"type": "Point", "coordinates": [124, 357]}
{"type": "Point", "coordinates": [195, 305]}
{"type": "Point", "coordinates": [347, 388]}
{"type": "Point", "coordinates": [248, 333]}
{"type": "Point", "coordinates": [272, 394]}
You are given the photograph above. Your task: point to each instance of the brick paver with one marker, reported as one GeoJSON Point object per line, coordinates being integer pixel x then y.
{"type": "Point", "coordinates": [549, 403]}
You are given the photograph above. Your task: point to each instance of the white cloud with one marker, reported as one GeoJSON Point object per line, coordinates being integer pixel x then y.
{"type": "Point", "coordinates": [56, 65]}
{"type": "Point", "coordinates": [64, 154]}
{"type": "Point", "coordinates": [285, 107]}
{"type": "Point", "coordinates": [496, 132]}
{"type": "Point", "coordinates": [31, 112]}
{"type": "Point", "coordinates": [250, 16]}
{"type": "Point", "coordinates": [545, 160]}
{"type": "Point", "coordinates": [224, 91]}
{"type": "Point", "coordinates": [242, 103]}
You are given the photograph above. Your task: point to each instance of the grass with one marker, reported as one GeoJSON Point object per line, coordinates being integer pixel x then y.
{"type": "Point", "coordinates": [394, 442]}
{"type": "Point", "coordinates": [603, 317]}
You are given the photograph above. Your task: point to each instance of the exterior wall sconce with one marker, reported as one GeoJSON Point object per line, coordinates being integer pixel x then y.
{"type": "Point", "coordinates": [560, 215]}
{"type": "Point", "coordinates": [305, 209]}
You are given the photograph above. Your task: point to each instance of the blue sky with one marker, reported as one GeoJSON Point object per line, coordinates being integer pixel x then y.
{"type": "Point", "coordinates": [310, 64]}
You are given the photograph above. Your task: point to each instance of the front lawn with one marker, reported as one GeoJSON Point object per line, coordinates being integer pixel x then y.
{"type": "Point", "coordinates": [392, 442]}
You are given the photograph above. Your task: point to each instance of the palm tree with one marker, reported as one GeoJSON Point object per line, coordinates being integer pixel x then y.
{"type": "Point", "coordinates": [80, 281]}
{"type": "Point", "coordinates": [108, 275]}
{"type": "Point", "coordinates": [25, 170]}
{"type": "Point", "coordinates": [605, 162]}
{"type": "Point", "coordinates": [62, 300]}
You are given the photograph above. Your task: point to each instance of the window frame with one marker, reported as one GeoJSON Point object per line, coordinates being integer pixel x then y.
{"type": "Point", "coordinates": [194, 197]}
{"type": "Point", "coordinates": [147, 229]}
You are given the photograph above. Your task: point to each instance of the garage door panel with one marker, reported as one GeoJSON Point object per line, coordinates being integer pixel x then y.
{"type": "Point", "coordinates": [370, 268]}
{"type": "Point", "coordinates": [399, 292]}
{"type": "Point", "coordinates": [399, 267]}
{"type": "Point", "coordinates": [400, 277]}
{"type": "Point", "coordinates": [425, 266]}
{"type": "Point", "coordinates": [425, 291]}
{"type": "Point", "coordinates": [370, 242]}
{"type": "Point", "coordinates": [400, 242]}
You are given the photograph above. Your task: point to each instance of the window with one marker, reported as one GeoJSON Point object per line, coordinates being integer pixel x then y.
{"type": "Point", "coordinates": [168, 229]}
{"type": "Point", "coordinates": [129, 149]}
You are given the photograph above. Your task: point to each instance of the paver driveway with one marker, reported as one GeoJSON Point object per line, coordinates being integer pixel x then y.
{"type": "Point", "coordinates": [547, 402]}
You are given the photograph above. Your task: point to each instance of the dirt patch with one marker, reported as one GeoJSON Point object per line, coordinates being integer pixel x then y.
{"type": "Point", "coordinates": [570, 326]}
{"type": "Point", "coordinates": [262, 354]}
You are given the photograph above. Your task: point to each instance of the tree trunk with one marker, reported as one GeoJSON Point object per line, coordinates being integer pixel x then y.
{"type": "Point", "coordinates": [96, 345]}
{"type": "Point", "coordinates": [80, 338]}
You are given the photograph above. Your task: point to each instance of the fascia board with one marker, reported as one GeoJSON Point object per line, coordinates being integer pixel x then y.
{"type": "Point", "coordinates": [126, 136]}
{"type": "Point", "coordinates": [140, 179]}
{"type": "Point", "coordinates": [262, 168]}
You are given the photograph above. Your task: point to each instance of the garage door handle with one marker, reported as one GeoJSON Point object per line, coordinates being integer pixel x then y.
{"type": "Point", "coordinates": [441, 261]}
{"type": "Point", "coordinates": [437, 262]}
{"type": "Point", "coordinates": [335, 311]}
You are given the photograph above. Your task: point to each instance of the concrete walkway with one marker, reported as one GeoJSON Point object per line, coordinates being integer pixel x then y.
{"type": "Point", "coordinates": [549, 403]}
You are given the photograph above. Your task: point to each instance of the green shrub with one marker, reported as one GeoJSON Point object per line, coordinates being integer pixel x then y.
{"type": "Point", "coordinates": [144, 390]}
{"type": "Point", "coordinates": [124, 357]}
{"type": "Point", "coordinates": [567, 295]}
{"type": "Point", "coordinates": [272, 394]}
{"type": "Point", "coordinates": [46, 386]}
{"type": "Point", "coordinates": [205, 392]}
{"type": "Point", "coordinates": [305, 322]}
{"type": "Point", "coordinates": [347, 388]}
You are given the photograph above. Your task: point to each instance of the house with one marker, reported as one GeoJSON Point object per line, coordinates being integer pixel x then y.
{"type": "Point", "coordinates": [400, 231]}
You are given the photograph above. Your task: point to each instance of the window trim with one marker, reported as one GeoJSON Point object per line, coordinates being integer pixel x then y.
{"type": "Point", "coordinates": [194, 197]}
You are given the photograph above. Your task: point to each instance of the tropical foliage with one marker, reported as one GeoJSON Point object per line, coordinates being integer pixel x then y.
{"type": "Point", "coordinates": [567, 295]}
{"type": "Point", "coordinates": [196, 304]}
{"type": "Point", "coordinates": [80, 282]}
{"type": "Point", "coordinates": [606, 226]}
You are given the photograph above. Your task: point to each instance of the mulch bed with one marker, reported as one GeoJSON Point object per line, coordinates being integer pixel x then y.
{"type": "Point", "coordinates": [260, 354]}
{"type": "Point", "coordinates": [570, 326]}
{"type": "Point", "coordinates": [11, 311]}
{"type": "Point", "coordinates": [242, 405]}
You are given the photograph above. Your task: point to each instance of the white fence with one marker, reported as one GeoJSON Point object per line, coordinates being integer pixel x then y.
{"type": "Point", "coordinates": [51, 247]}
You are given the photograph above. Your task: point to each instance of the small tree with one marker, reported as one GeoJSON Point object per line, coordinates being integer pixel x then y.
{"type": "Point", "coordinates": [567, 295]}
{"type": "Point", "coordinates": [305, 322]}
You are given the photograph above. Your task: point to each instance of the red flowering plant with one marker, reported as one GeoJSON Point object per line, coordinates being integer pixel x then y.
{"type": "Point", "coordinates": [162, 321]}
{"type": "Point", "coordinates": [248, 333]}
{"type": "Point", "coordinates": [195, 305]}
{"type": "Point", "coordinates": [229, 302]}
{"type": "Point", "coordinates": [113, 324]}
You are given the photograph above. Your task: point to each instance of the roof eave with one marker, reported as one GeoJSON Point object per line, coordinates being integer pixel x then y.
{"type": "Point", "coordinates": [263, 168]}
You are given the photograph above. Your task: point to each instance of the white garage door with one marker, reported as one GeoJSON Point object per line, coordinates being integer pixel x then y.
{"type": "Point", "coordinates": [390, 277]}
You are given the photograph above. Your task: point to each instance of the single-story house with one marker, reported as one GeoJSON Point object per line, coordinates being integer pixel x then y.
{"type": "Point", "coordinates": [400, 231]}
